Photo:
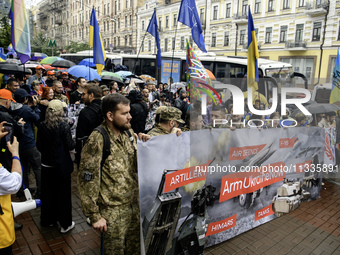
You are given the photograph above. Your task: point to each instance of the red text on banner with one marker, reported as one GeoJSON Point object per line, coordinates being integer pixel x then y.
{"type": "Point", "coordinates": [222, 225]}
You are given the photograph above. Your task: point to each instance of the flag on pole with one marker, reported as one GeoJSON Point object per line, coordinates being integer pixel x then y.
{"type": "Point", "coordinates": [198, 81]}
{"type": "Point", "coordinates": [153, 30]}
{"type": "Point", "coordinates": [11, 51]}
{"type": "Point", "coordinates": [95, 41]}
{"type": "Point", "coordinates": [253, 55]}
{"type": "Point", "coordinates": [20, 33]}
{"type": "Point", "coordinates": [335, 93]}
{"type": "Point", "coordinates": [188, 15]}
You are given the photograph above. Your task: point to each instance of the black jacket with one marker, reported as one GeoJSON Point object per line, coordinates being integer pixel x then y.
{"type": "Point", "coordinates": [139, 112]}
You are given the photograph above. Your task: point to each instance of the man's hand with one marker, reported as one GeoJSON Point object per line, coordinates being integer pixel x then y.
{"type": "Point", "coordinates": [176, 131]}
{"type": "Point", "coordinates": [78, 102]}
{"type": "Point", "coordinates": [143, 137]}
{"type": "Point", "coordinates": [21, 121]}
{"type": "Point", "coordinates": [14, 147]}
{"type": "Point", "coordinates": [100, 225]}
{"type": "Point", "coordinates": [2, 130]}
{"type": "Point", "coordinates": [35, 100]}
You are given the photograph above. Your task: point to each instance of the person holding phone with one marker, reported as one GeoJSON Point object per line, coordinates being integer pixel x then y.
{"type": "Point", "coordinates": [10, 183]}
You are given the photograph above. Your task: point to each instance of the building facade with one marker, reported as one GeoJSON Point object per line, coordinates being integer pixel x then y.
{"type": "Point", "coordinates": [303, 33]}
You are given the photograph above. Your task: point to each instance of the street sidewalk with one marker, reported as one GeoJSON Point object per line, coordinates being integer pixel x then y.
{"type": "Point", "coordinates": [314, 228]}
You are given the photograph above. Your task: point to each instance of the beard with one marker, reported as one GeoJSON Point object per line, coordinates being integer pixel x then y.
{"type": "Point", "coordinates": [121, 127]}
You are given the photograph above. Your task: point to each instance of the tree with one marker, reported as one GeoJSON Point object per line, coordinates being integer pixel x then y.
{"type": "Point", "coordinates": [74, 47]}
{"type": "Point", "coordinates": [39, 44]}
{"type": "Point", "coordinates": [5, 32]}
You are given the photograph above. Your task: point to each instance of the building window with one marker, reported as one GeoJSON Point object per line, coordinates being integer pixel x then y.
{"type": "Point", "coordinates": [213, 40]}
{"type": "Point", "coordinates": [130, 40]}
{"type": "Point", "coordinates": [118, 41]}
{"type": "Point", "coordinates": [182, 43]}
{"type": "Point", "coordinates": [228, 10]}
{"type": "Point", "coordinates": [299, 33]}
{"type": "Point", "coordinates": [165, 44]}
{"type": "Point", "coordinates": [118, 23]}
{"type": "Point", "coordinates": [244, 8]}
{"type": "Point", "coordinates": [160, 23]}
{"type": "Point", "coordinates": [126, 40]}
{"type": "Point", "coordinates": [131, 3]}
{"type": "Point", "coordinates": [114, 28]}
{"type": "Point", "coordinates": [118, 5]}
{"type": "Point", "coordinates": [316, 31]}
{"type": "Point", "coordinates": [270, 5]}
{"type": "Point", "coordinates": [318, 3]}
{"type": "Point", "coordinates": [104, 9]}
{"type": "Point", "coordinates": [126, 3]}
{"type": "Point", "coordinates": [115, 7]}
{"type": "Point", "coordinates": [283, 34]}
{"type": "Point", "coordinates": [173, 43]}
{"type": "Point", "coordinates": [130, 20]}
{"type": "Point", "coordinates": [142, 46]}
{"type": "Point", "coordinates": [301, 3]}
{"type": "Point", "coordinates": [242, 36]}
{"type": "Point", "coordinates": [268, 38]}
{"type": "Point", "coordinates": [257, 6]}
{"type": "Point", "coordinates": [202, 16]}
{"type": "Point", "coordinates": [149, 45]}
{"type": "Point", "coordinates": [285, 4]}
{"type": "Point", "coordinates": [126, 22]}
{"type": "Point", "coordinates": [215, 12]}
{"type": "Point", "coordinates": [175, 20]}
{"type": "Point", "coordinates": [142, 24]}
{"type": "Point", "coordinates": [226, 39]}
{"type": "Point", "coordinates": [167, 21]}
{"type": "Point", "coordinates": [108, 26]}
{"type": "Point", "coordinates": [114, 42]}
{"type": "Point", "coordinates": [191, 41]}
{"type": "Point", "coordinates": [339, 32]}
{"type": "Point", "coordinates": [104, 26]}
{"type": "Point", "coordinates": [108, 9]}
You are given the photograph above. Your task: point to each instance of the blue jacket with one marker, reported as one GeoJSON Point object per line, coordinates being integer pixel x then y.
{"type": "Point", "coordinates": [30, 116]}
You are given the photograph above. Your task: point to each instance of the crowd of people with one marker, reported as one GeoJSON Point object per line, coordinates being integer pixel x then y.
{"type": "Point", "coordinates": [106, 131]}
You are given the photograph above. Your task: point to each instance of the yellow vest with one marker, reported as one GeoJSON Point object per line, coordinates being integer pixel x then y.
{"type": "Point", "coordinates": [7, 232]}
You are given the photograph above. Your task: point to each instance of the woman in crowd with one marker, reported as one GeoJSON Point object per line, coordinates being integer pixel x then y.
{"type": "Point", "coordinates": [35, 85]}
{"type": "Point", "coordinates": [54, 141]}
{"type": "Point", "coordinates": [47, 95]}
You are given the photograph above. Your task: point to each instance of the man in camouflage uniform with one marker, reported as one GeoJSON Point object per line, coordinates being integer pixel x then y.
{"type": "Point", "coordinates": [217, 117]}
{"type": "Point", "coordinates": [193, 121]}
{"type": "Point", "coordinates": [168, 122]}
{"type": "Point", "coordinates": [58, 92]}
{"type": "Point", "coordinates": [110, 196]}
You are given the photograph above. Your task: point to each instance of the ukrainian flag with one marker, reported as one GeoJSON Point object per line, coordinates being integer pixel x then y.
{"type": "Point", "coordinates": [253, 55]}
{"type": "Point", "coordinates": [95, 41]}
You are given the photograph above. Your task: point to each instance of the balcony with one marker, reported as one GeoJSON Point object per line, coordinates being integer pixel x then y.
{"type": "Point", "coordinates": [240, 19]}
{"type": "Point", "coordinates": [296, 46]}
{"type": "Point", "coordinates": [316, 8]}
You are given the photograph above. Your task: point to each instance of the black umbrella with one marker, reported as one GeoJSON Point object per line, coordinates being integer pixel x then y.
{"type": "Point", "coordinates": [315, 108]}
{"type": "Point", "coordinates": [110, 78]}
{"type": "Point", "coordinates": [63, 64]}
{"type": "Point", "coordinates": [11, 68]}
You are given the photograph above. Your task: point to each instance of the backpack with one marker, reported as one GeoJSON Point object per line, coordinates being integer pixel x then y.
{"type": "Point", "coordinates": [107, 143]}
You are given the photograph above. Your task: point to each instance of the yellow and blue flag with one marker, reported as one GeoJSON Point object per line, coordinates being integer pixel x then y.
{"type": "Point", "coordinates": [253, 55]}
{"type": "Point", "coordinates": [188, 15]}
{"type": "Point", "coordinates": [335, 93]}
{"type": "Point", "coordinates": [95, 41]}
{"type": "Point", "coordinates": [153, 30]}
{"type": "Point", "coordinates": [20, 32]}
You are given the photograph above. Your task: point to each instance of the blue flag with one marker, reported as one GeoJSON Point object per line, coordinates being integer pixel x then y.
{"type": "Point", "coordinates": [188, 15]}
{"type": "Point", "coordinates": [253, 55]}
{"type": "Point", "coordinates": [335, 94]}
{"type": "Point", "coordinates": [153, 30]}
{"type": "Point", "coordinates": [95, 41]}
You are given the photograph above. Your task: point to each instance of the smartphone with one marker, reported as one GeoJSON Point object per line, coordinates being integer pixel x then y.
{"type": "Point", "coordinates": [8, 127]}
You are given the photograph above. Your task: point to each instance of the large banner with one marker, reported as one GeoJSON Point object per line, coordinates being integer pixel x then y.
{"type": "Point", "coordinates": [207, 186]}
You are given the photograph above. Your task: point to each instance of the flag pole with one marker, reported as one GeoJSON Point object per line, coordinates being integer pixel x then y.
{"type": "Point", "coordinates": [172, 58]}
{"type": "Point", "coordinates": [134, 67]}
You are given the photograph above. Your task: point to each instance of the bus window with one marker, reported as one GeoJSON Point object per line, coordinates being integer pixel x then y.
{"type": "Point", "coordinates": [129, 63]}
{"type": "Point", "coordinates": [148, 67]}
{"type": "Point", "coordinates": [208, 65]}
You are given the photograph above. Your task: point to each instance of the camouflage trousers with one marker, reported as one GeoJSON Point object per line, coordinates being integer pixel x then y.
{"type": "Point", "coordinates": [123, 232]}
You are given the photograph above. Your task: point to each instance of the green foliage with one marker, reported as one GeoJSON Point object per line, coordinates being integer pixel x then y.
{"type": "Point", "coordinates": [74, 47]}
{"type": "Point", "coordinates": [39, 44]}
{"type": "Point", "coordinates": [5, 32]}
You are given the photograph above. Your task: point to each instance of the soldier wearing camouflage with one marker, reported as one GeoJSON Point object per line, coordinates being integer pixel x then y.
{"type": "Point", "coordinates": [112, 192]}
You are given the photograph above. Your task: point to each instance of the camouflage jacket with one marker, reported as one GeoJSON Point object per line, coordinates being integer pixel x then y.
{"type": "Point", "coordinates": [157, 130]}
{"type": "Point", "coordinates": [118, 183]}
{"type": "Point", "coordinates": [62, 98]}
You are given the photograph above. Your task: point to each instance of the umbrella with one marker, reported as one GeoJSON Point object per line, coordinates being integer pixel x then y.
{"type": "Point", "coordinates": [50, 60]}
{"type": "Point", "coordinates": [318, 108]}
{"type": "Point", "coordinates": [13, 60]}
{"type": "Point", "coordinates": [38, 55]}
{"type": "Point", "coordinates": [175, 86]}
{"type": "Point", "coordinates": [63, 63]}
{"type": "Point", "coordinates": [31, 64]}
{"type": "Point", "coordinates": [84, 71]}
{"type": "Point", "coordinates": [124, 74]}
{"type": "Point", "coordinates": [112, 74]}
{"type": "Point", "coordinates": [111, 78]}
{"type": "Point", "coordinates": [211, 75]}
{"type": "Point", "coordinates": [147, 77]}
{"type": "Point", "coordinates": [135, 80]}
{"type": "Point", "coordinates": [11, 68]}
{"type": "Point", "coordinates": [87, 62]}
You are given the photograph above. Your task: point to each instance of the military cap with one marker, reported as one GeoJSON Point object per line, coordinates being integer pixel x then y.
{"type": "Point", "coordinates": [171, 113]}
{"type": "Point", "coordinates": [159, 109]}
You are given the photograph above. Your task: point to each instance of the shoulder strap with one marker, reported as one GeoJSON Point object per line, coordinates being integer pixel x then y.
{"type": "Point", "coordinates": [130, 136]}
{"type": "Point", "coordinates": [106, 145]}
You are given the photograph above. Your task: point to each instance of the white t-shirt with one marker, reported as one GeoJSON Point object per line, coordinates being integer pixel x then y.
{"type": "Point", "coordinates": [10, 183]}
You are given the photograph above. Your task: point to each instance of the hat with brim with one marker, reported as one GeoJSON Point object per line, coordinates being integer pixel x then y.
{"type": "Point", "coordinates": [171, 113]}
{"type": "Point", "coordinates": [6, 94]}
{"type": "Point", "coordinates": [56, 105]}
{"type": "Point", "coordinates": [20, 94]}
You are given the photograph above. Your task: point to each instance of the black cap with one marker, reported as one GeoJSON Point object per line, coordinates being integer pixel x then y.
{"type": "Point", "coordinates": [20, 94]}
